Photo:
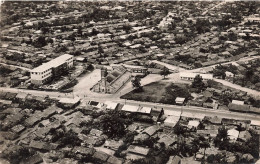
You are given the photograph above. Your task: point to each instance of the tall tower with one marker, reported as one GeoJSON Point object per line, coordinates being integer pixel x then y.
{"type": "Point", "coordinates": [103, 87]}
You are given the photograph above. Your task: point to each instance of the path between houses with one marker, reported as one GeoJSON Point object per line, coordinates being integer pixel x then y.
{"type": "Point", "coordinates": [15, 66]}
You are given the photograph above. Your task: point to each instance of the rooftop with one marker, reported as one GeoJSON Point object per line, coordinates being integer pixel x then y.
{"type": "Point", "coordinates": [53, 63]}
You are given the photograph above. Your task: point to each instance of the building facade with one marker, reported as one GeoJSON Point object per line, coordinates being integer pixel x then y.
{"type": "Point", "coordinates": [191, 76]}
{"type": "Point", "coordinates": [51, 69]}
{"type": "Point", "coordinates": [113, 81]}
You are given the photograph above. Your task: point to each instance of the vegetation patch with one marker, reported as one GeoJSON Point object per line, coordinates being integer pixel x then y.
{"type": "Point", "coordinates": [160, 92]}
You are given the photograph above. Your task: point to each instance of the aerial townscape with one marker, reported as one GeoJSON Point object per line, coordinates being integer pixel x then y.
{"type": "Point", "coordinates": [129, 82]}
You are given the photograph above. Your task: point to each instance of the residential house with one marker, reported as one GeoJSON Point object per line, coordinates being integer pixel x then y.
{"type": "Point", "coordinates": [112, 144]}
{"type": "Point", "coordinates": [114, 160]}
{"type": "Point", "coordinates": [239, 108]}
{"type": "Point", "coordinates": [167, 139]}
{"type": "Point", "coordinates": [171, 121]}
{"type": "Point", "coordinates": [174, 160]}
{"type": "Point", "coordinates": [69, 102]}
{"type": "Point", "coordinates": [35, 159]}
{"type": "Point", "coordinates": [99, 155]}
{"type": "Point", "coordinates": [179, 100]}
{"type": "Point", "coordinates": [244, 136]}
{"type": "Point", "coordinates": [233, 134]}
{"type": "Point", "coordinates": [212, 133]}
{"type": "Point", "coordinates": [229, 76]}
{"type": "Point", "coordinates": [151, 130]}
{"type": "Point", "coordinates": [138, 150]}
{"type": "Point", "coordinates": [83, 150]}
{"type": "Point", "coordinates": [193, 124]}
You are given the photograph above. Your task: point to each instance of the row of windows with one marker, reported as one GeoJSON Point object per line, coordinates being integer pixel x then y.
{"type": "Point", "coordinates": [39, 73]}
{"type": "Point", "coordinates": [70, 59]}
{"type": "Point", "coordinates": [46, 75]}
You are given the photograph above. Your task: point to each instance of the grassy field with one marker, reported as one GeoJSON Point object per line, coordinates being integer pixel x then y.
{"type": "Point", "coordinates": [159, 92]}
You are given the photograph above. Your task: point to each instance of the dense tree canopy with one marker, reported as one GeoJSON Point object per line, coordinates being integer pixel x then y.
{"type": "Point", "coordinates": [198, 83]}
{"type": "Point", "coordinates": [114, 123]}
{"type": "Point", "coordinates": [165, 72]}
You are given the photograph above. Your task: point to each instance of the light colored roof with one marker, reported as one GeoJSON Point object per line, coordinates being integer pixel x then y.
{"type": "Point", "coordinates": [180, 99]}
{"type": "Point", "coordinates": [233, 134]}
{"type": "Point", "coordinates": [206, 76]}
{"type": "Point", "coordinates": [53, 63]}
{"type": "Point", "coordinates": [238, 102]}
{"type": "Point", "coordinates": [229, 73]}
{"type": "Point", "coordinates": [144, 110]}
{"type": "Point", "coordinates": [255, 122]}
{"type": "Point", "coordinates": [138, 149]}
{"type": "Point", "coordinates": [130, 108]}
{"type": "Point", "coordinates": [111, 105]}
{"type": "Point", "coordinates": [171, 121]}
{"type": "Point", "coordinates": [21, 95]}
{"type": "Point", "coordinates": [153, 47]}
{"type": "Point", "coordinates": [80, 59]}
{"type": "Point", "coordinates": [188, 74]}
{"type": "Point", "coordinates": [193, 75]}
{"type": "Point", "coordinates": [160, 55]}
{"type": "Point", "coordinates": [69, 100]}
{"type": "Point", "coordinates": [193, 123]}
{"type": "Point", "coordinates": [127, 44]}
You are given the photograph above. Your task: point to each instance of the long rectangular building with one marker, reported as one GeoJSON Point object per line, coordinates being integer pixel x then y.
{"type": "Point", "coordinates": [191, 76]}
{"type": "Point", "coordinates": [53, 68]}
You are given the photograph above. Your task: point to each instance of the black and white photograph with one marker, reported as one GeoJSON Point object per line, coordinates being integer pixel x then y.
{"type": "Point", "coordinates": [129, 82]}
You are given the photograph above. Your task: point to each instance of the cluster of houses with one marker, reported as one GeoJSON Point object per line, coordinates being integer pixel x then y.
{"type": "Point", "coordinates": [32, 128]}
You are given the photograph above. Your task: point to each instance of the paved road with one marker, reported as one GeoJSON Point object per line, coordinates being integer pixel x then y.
{"type": "Point", "coordinates": [169, 66]}
{"type": "Point", "coordinates": [167, 108]}
{"type": "Point", "coordinates": [231, 62]}
{"type": "Point", "coordinates": [205, 12]}
{"type": "Point", "coordinates": [248, 90]}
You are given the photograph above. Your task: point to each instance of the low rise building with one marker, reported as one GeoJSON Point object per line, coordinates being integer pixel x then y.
{"type": "Point", "coordinates": [51, 69]}
{"type": "Point", "coordinates": [191, 76]}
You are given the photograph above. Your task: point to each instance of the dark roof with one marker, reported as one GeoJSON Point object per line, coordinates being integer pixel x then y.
{"type": "Point", "coordinates": [94, 103]}
{"type": "Point", "coordinates": [43, 145]}
{"type": "Point", "coordinates": [138, 150]}
{"type": "Point", "coordinates": [236, 107]}
{"type": "Point", "coordinates": [215, 120]}
{"type": "Point", "coordinates": [151, 130]}
{"type": "Point", "coordinates": [101, 156]}
{"type": "Point", "coordinates": [114, 160]}
{"type": "Point", "coordinates": [110, 78]}
{"type": "Point", "coordinates": [9, 135]}
{"type": "Point", "coordinates": [2, 95]}
{"type": "Point", "coordinates": [228, 121]}
{"type": "Point", "coordinates": [35, 159]}
{"type": "Point", "coordinates": [10, 96]}
{"type": "Point", "coordinates": [83, 150]}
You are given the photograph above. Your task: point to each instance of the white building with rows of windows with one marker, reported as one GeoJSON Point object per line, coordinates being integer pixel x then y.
{"type": "Point", "coordinates": [53, 68]}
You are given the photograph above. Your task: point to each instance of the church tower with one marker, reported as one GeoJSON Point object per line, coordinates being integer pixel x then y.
{"type": "Point", "coordinates": [103, 87]}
